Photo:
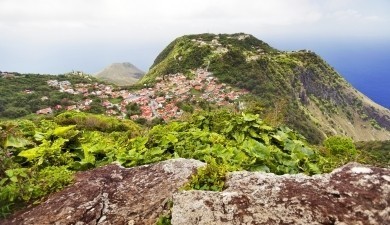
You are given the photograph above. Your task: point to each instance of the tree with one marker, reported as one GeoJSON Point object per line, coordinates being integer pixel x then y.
{"type": "Point", "coordinates": [133, 109]}
{"type": "Point", "coordinates": [96, 107]}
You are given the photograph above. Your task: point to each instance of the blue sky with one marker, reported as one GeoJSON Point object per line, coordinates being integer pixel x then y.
{"type": "Point", "coordinates": [56, 36]}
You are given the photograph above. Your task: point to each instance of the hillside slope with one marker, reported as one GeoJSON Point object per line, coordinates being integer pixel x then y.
{"type": "Point", "coordinates": [121, 74]}
{"type": "Point", "coordinates": [24, 94]}
{"type": "Point", "coordinates": [295, 88]}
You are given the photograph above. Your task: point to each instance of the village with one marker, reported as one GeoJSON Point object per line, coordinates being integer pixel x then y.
{"type": "Point", "coordinates": [159, 101]}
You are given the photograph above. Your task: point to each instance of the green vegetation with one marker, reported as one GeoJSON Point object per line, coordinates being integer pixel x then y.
{"type": "Point", "coordinates": [40, 156]}
{"type": "Point", "coordinates": [340, 150]}
{"type": "Point", "coordinates": [209, 178]}
{"type": "Point", "coordinates": [186, 107]}
{"type": "Point", "coordinates": [375, 152]}
{"type": "Point", "coordinates": [166, 218]}
{"type": "Point", "coordinates": [133, 109]}
{"type": "Point", "coordinates": [181, 59]}
{"type": "Point", "coordinates": [241, 141]}
{"type": "Point", "coordinates": [289, 86]}
{"type": "Point", "coordinates": [271, 76]}
{"type": "Point", "coordinates": [338, 145]}
{"type": "Point", "coordinates": [375, 124]}
{"type": "Point", "coordinates": [78, 141]}
{"type": "Point", "coordinates": [86, 121]}
{"type": "Point", "coordinates": [21, 95]}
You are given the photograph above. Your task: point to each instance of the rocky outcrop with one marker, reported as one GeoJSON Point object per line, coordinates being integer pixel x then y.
{"type": "Point", "coordinates": [113, 195]}
{"type": "Point", "coordinates": [353, 194]}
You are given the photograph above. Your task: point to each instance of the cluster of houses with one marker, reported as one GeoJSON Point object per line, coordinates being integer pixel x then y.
{"type": "Point", "coordinates": [160, 101]}
{"type": "Point", "coordinates": [6, 75]}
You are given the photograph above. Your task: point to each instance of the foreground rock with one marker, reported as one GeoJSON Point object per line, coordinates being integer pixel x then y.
{"type": "Point", "coordinates": [113, 195]}
{"type": "Point", "coordinates": [353, 194]}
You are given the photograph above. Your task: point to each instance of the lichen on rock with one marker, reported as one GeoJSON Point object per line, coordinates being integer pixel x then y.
{"type": "Point", "coordinates": [112, 195]}
{"type": "Point", "coordinates": [352, 194]}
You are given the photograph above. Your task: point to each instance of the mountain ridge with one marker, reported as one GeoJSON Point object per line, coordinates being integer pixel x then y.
{"type": "Point", "coordinates": [311, 95]}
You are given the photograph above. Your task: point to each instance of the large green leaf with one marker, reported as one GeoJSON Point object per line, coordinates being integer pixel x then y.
{"type": "Point", "coordinates": [47, 148]}
{"type": "Point", "coordinates": [265, 138]}
{"type": "Point", "coordinates": [250, 117]}
{"type": "Point", "coordinates": [31, 154]}
{"type": "Point", "coordinates": [266, 127]}
{"type": "Point", "coordinates": [39, 136]}
{"type": "Point", "coordinates": [61, 131]}
{"type": "Point", "coordinates": [16, 142]}
{"type": "Point", "coordinates": [239, 137]}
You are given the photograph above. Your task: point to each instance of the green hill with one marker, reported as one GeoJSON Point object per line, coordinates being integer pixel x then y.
{"type": "Point", "coordinates": [23, 94]}
{"type": "Point", "coordinates": [121, 74]}
{"type": "Point", "coordinates": [295, 88]}
{"type": "Point", "coordinates": [40, 155]}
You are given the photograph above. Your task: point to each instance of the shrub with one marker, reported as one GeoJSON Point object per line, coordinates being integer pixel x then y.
{"type": "Point", "coordinates": [375, 153]}
{"type": "Point", "coordinates": [185, 107]}
{"type": "Point", "coordinates": [25, 184]}
{"type": "Point", "coordinates": [93, 122]}
{"type": "Point", "coordinates": [133, 109]}
{"type": "Point", "coordinates": [210, 178]}
{"type": "Point", "coordinates": [340, 146]}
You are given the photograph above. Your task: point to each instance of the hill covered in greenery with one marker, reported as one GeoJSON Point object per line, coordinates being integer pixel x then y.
{"type": "Point", "coordinates": [221, 99]}
{"type": "Point", "coordinates": [24, 94]}
{"type": "Point", "coordinates": [296, 88]}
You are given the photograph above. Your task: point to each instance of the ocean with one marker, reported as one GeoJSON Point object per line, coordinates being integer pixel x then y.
{"type": "Point", "coordinates": [366, 67]}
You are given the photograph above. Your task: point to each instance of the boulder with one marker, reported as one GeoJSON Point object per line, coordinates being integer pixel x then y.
{"type": "Point", "coordinates": [113, 195]}
{"type": "Point", "coordinates": [352, 194]}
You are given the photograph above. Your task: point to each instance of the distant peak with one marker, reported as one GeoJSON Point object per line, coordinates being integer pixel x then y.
{"type": "Point", "coordinates": [123, 64]}
{"type": "Point", "coordinates": [124, 73]}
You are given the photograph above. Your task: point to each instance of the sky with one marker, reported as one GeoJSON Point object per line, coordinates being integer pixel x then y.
{"type": "Point", "coordinates": [57, 36]}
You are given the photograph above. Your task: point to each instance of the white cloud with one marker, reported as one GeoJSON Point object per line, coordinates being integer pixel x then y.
{"type": "Point", "coordinates": [50, 24]}
{"type": "Point", "coordinates": [351, 15]}
{"type": "Point", "coordinates": [100, 18]}
{"type": "Point", "coordinates": [114, 14]}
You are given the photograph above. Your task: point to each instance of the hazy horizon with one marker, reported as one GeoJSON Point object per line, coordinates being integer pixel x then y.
{"type": "Point", "coordinates": [329, 50]}
{"type": "Point", "coordinates": [58, 36]}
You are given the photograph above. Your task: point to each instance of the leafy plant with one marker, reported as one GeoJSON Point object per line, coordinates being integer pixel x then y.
{"type": "Point", "coordinates": [96, 122]}
{"type": "Point", "coordinates": [240, 141]}
{"type": "Point", "coordinates": [339, 150]}
{"type": "Point", "coordinates": [40, 157]}
{"type": "Point", "coordinates": [340, 146]}
{"type": "Point", "coordinates": [26, 184]}
{"type": "Point", "coordinates": [165, 218]}
{"type": "Point", "coordinates": [210, 178]}
{"type": "Point", "coordinates": [374, 153]}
